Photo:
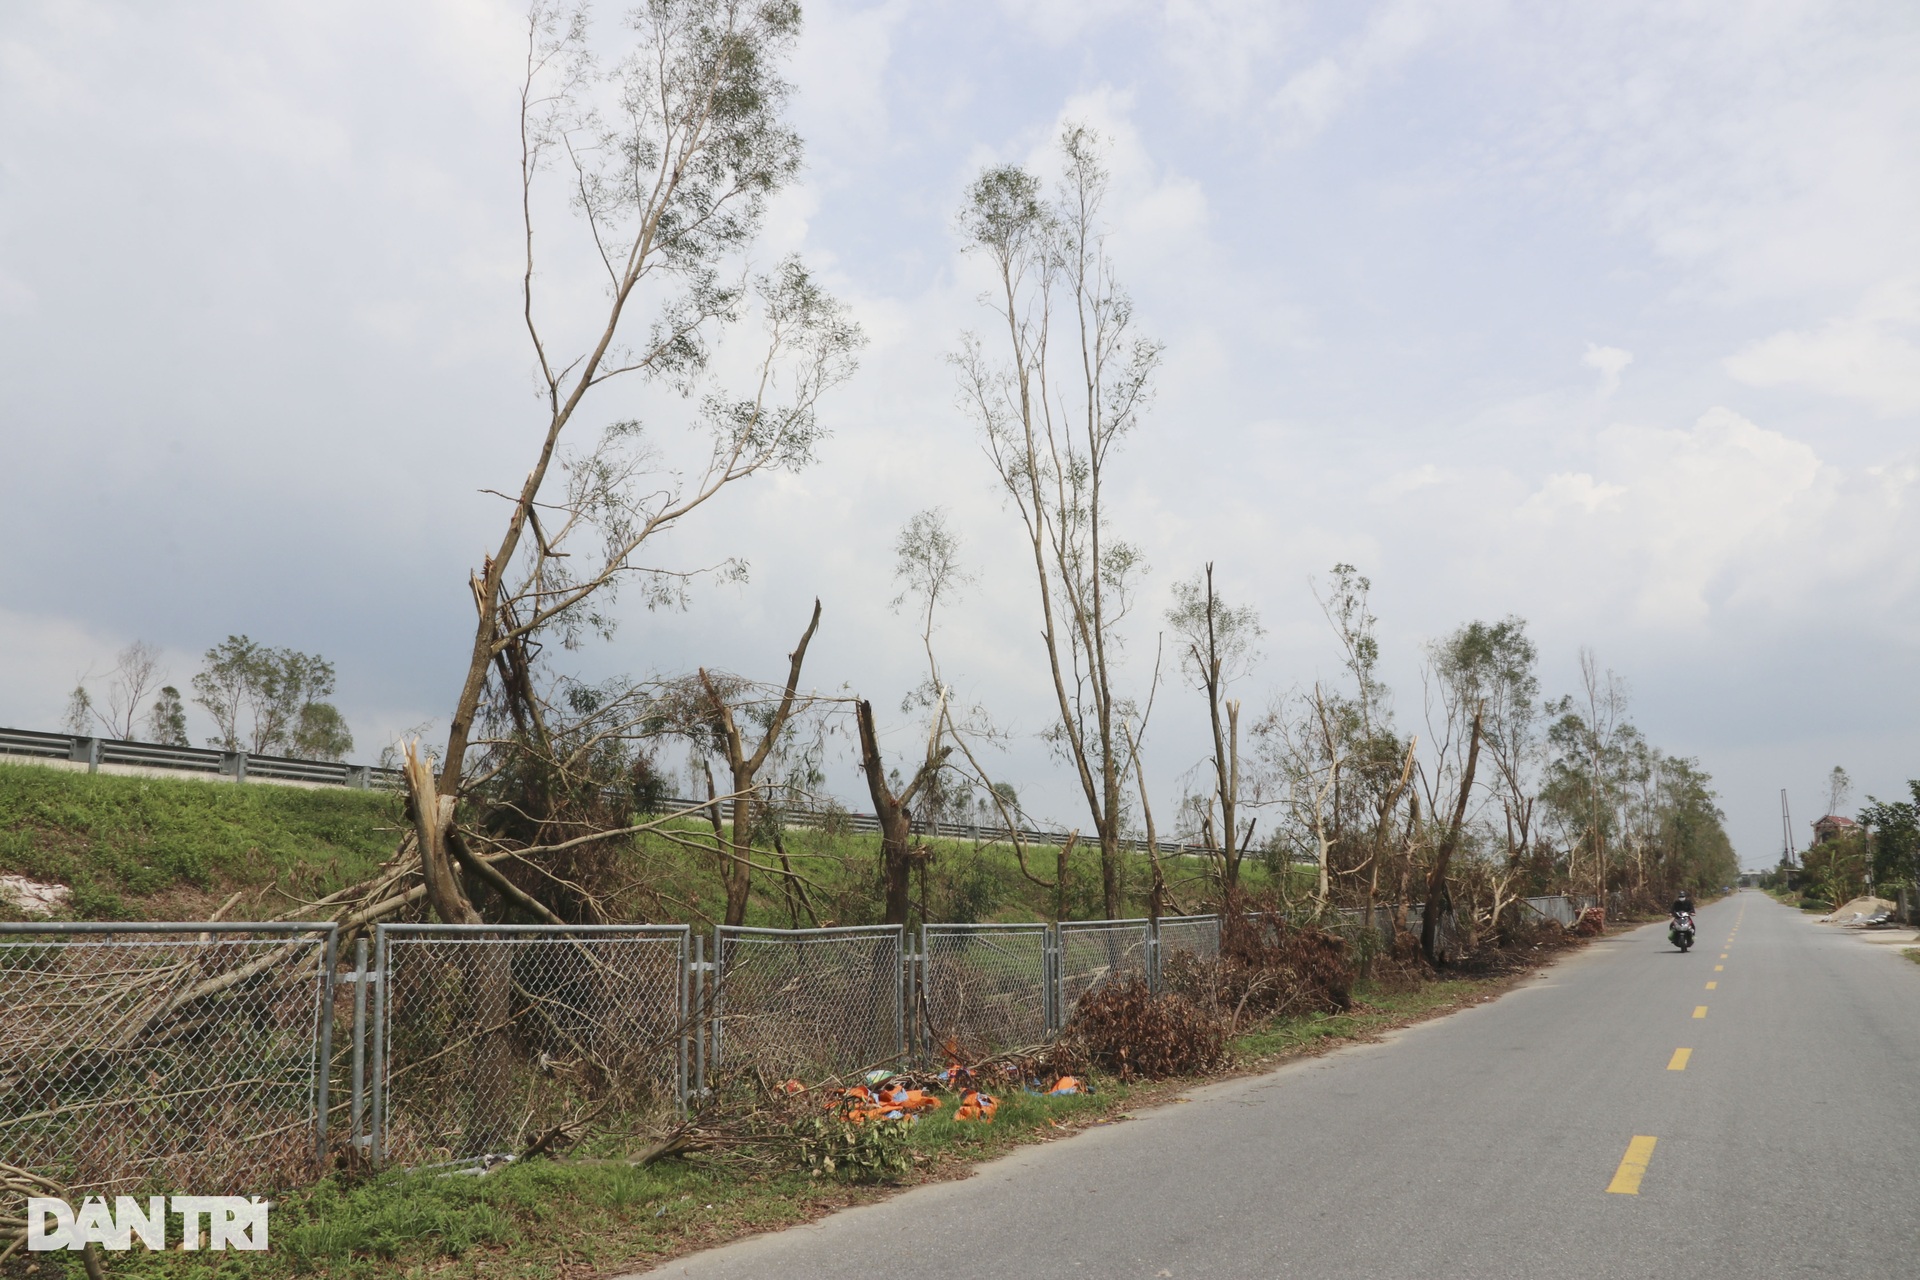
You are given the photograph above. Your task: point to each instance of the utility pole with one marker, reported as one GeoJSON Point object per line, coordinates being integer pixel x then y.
{"type": "Point", "coordinates": [1786, 830]}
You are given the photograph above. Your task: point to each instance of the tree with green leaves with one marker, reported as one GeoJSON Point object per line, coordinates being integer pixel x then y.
{"type": "Point", "coordinates": [667, 157]}
{"type": "Point", "coordinates": [927, 569]}
{"type": "Point", "coordinates": [1218, 642]}
{"type": "Point", "coordinates": [271, 701]}
{"type": "Point", "coordinates": [167, 719]}
{"type": "Point", "coordinates": [1893, 827]}
{"type": "Point", "coordinates": [1584, 776]}
{"type": "Point", "coordinates": [1071, 382]}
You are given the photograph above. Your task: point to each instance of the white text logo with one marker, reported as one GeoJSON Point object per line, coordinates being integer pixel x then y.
{"type": "Point", "coordinates": [232, 1222]}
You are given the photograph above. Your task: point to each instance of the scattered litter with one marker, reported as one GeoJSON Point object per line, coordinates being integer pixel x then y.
{"type": "Point", "coordinates": [886, 1102]}
{"type": "Point", "coordinates": [31, 897]}
{"type": "Point", "coordinates": [1862, 913]}
{"type": "Point", "coordinates": [975, 1105]}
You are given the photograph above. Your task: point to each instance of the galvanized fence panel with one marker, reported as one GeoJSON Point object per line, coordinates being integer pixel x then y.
{"type": "Point", "coordinates": [983, 988]}
{"type": "Point", "coordinates": [1093, 953]}
{"type": "Point", "coordinates": [1557, 907]}
{"type": "Point", "coordinates": [165, 1057]}
{"type": "Point", "coordinates": [809, 1002]}
{"type": "Point", "coordinates": [1199, 936]}
{"type": "Point", "coordinates": [487, 1035]}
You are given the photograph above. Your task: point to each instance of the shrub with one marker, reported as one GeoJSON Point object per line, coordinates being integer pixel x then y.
{"type": "Point", "coordinates": [871, 1151]}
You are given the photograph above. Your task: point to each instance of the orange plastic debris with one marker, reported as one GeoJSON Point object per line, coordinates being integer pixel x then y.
{"type": "Point", "coordinates": [901, 1098]}
{"type": "Point", "coordinates": [975, 1105]}
{"type": "Point", "coordinates": [1066, 1085]}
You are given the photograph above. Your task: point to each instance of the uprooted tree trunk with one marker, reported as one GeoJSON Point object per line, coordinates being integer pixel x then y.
{"type": "Point", "coordinates": [736, 870]}
{"type": "Point", "coordinates": [1437, 900]}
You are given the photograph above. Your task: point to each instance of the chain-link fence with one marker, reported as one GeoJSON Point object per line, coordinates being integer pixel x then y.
{"type": "Point", "coordinates": [1199, 936]}
{"type": "Point", "coordinates": [809, 1002]}
{"type": "Point", "coordinates": [165, 1056]}
{"type": "Point", "coordinates": [204, 1056]}
{"type": "Point", "coordinates": [1095, 952]}
{"type": "Point", "coordinates": [984, 988]}
{"type": "Point", "coordinates": [489, 1037]}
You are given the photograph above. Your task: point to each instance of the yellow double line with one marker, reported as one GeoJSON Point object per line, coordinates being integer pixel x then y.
{"type": "Point", "coordinates": [1633, 1165]}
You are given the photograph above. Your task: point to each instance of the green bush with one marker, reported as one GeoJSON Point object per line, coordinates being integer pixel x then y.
{"type": "Point", "coordinates": [871, 1151]}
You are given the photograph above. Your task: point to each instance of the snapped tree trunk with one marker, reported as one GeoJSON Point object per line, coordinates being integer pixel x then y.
{"type": "Point", "coordinates": [736, 870]}
{"type": "Point", "coordinates": [1443, 856]}
{"type": "Point", "coordinates": [896, 822]}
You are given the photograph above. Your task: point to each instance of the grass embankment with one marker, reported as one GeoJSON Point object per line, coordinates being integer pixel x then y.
{"type": "Point", "coordinates": [548, 1219]}
{"type": "Point", "coordinates": [162, 848]}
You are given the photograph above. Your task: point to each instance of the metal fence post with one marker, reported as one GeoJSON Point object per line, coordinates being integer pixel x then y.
{"type": "Point", "coordinates": [328, 980]}
{"type": "Point", "coordinates": [377, 1094]}
{"type": "Point", "coordinates": [357, 1112]}
{"type": "Point", "coordinates": [902, 992]}
{"type": "Point", "coordinates": [700, 1016]}
{"type": "Point", "coordinates": [1053, 977]}
{"type": "Point", "coordinates": [686, 1016]}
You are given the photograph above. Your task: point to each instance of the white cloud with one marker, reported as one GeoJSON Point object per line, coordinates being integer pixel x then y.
{"type": "Point", "coordinates": [1674, 526]}
{"type": "Point", "coordinates": [1309, 99]}
{"type": "Point", "coordinates": [1856, 359]}
{"type": "Point", "coordinates": [1611, 362]}
{"type": "Point", "coordinates": [1222, 48]}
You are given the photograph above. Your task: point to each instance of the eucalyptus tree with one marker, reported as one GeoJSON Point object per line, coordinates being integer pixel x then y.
{"type": "Point", "coordinates": [1485, 670]}
{"type": "Point", "coordinates": [1587, 736]}
{"type": "Point", "coordinates": [1070, 382]}
{"type": "Point", "coordinates": [666, 157]}
{"type": "Point", "coordinates": [1217, 649]}
{"type": "Point", "coordinates": [927, 568]}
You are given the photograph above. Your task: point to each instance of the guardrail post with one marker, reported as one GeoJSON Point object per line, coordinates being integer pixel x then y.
{"type": "Point", "coordinates": [87, 749]}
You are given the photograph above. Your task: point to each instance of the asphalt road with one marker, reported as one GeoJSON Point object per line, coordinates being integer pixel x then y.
{"type": "Point", "coordinates": [1484, 1144]}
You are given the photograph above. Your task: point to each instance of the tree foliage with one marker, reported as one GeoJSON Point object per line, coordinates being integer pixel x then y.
{"type": "Point", "coordinates": [271, 701]}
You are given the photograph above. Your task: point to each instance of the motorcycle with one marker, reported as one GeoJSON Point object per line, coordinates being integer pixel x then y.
{"type": "Point", "coordinates": [1680, 932]}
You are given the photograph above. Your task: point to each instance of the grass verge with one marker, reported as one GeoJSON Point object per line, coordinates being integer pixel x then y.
{"type": "Point", "coordinates": [555, 1220]}
{"type": "Point", "coordinates": [159, 848]}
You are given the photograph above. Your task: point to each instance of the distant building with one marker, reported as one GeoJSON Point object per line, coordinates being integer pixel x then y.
{"type": "Point", "coordinates": [1832, 827]}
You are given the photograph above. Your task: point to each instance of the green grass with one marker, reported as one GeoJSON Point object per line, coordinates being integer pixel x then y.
{"type": "Point", "coordinates": [1374, 1009]}
{"type": "Point", "coordinates": [130, 845]}
{"type": "Point", "coordinates": [162, 848]}
{"type": "Point", "coordinates": [548, 1219]}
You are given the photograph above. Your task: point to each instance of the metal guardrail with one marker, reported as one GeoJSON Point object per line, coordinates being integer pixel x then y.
{"type": "Point", "coordinates": [978, 833]}
{"type": "Point", "coordinates": [241, 766]}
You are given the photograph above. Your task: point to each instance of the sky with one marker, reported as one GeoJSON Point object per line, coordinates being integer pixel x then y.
{"type": "Point", "coordinates": [1607, 316]}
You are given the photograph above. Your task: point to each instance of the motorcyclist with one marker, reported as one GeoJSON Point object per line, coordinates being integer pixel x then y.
{"type": "Point", "coordinates": [1683, 903]}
